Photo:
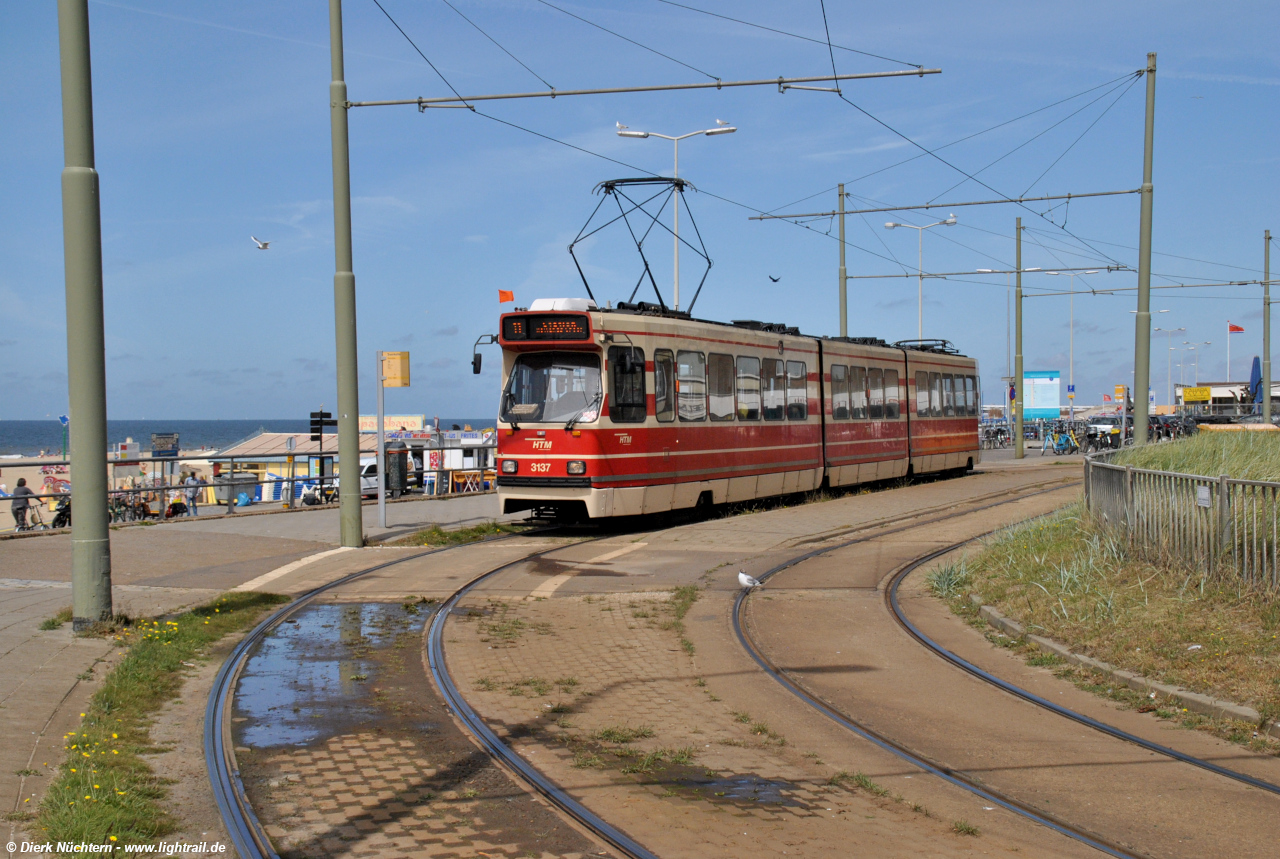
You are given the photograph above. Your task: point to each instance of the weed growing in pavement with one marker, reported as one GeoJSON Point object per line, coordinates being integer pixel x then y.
{"type": "Point", "coordinates": [63, 616]}
{"type": "Point", "coordinates": [859, 780]}
{"type": "Point", "coordinates": [468, 793]}
{"type": "Point", "coordinates": [583, 759]}
{"type": "Point", "coordinates": [1042, 659]}
{"type": "Point", "coordinates": [962, 827]}
{"type": "Point", "coordinates": [682, 599]}
{"type": "Point", "coordinates": [949, 580]}
{"type": "Point", "coordinates": [502, 629]}
{"type": "Point", "coordinates": [104, 787]}
{"type": "Point", "coordinates": [1072, 578]}
{"type": "Point", "coordinates": [484, 684]}
{"type": "Point", "coordinates": [623, 734]}
{"type": "Point", "coordinates": [700, 682]}
{"type": "Point", "coordinates": [739, 716]}
{"type": "Point", "coordinates": [437, 536]}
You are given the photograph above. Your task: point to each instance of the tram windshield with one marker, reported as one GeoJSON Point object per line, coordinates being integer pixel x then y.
{"type": "Point", "coordinates": [553, 387]}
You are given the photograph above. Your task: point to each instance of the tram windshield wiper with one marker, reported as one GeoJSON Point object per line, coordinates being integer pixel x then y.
{"type": "Point", "coordinates": [595, 401]}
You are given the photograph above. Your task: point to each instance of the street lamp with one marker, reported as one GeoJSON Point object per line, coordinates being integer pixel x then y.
{"type": "Point", "coordinates": [721, 128]}
{"type": "Point", "coordinates": [1071, 338]}
{"type": "Point", "coordinates": [1169, 341]}
{"type": "Point", "coordinates": [949, 222]}
{"type": "Point", "coordinates": [1191, 347]}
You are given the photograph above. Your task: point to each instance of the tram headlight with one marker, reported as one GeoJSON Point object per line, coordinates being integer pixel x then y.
{"type": "Point", "coordinates": [577, 466]}
{"type": "Point", "coordinates": [510, 466]}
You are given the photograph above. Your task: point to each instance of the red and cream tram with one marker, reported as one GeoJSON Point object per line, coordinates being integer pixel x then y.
{"type": "Point", "coordinates": [637, 409]}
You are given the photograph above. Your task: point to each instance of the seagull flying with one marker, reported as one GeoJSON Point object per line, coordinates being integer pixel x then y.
{"type": "Point", "coordinates": [721, 122]}
{"type": "Point", "coordinates": [747, 581]}
{"type": "Point", "coordinates": [621, 126]}
{"type": "Point", "coordinates": [774, 279]}
{"type": "Point", "coordinates": [262, 246]}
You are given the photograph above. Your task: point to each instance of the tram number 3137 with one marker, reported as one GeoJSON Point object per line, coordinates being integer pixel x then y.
{"type": "Point", "coordinates": [540, 467]}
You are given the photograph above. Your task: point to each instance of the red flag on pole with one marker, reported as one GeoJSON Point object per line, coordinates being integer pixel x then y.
{"type": "Point", "coordinates": [1232, 328]}
{"type": "Point", "coordinates": [505, 295]}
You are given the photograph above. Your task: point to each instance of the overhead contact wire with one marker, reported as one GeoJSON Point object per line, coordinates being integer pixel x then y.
{"type": "Point", "coordinates": [792, 35]}
{"type": "Point", "coordinates": [424, 56]}
{"type": "Point", "coordinates": [632, 41]}
{"type": "Point", "coordinates": [495, 41]}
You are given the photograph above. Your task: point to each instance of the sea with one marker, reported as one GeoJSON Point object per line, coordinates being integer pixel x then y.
{"type": "Point", "coordinates": [29, 438]}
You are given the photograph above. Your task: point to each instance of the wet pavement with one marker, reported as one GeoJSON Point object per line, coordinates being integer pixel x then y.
{"type": "Point", "coordinates": [346, 749]}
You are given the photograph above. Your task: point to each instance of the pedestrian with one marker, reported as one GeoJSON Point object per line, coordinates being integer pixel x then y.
{"type": "Point", "coordinates": [193, 493]}
{"type": "Point", "coordinates": [21, 501]}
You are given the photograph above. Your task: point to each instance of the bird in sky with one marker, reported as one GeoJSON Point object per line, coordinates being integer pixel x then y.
{"type": "Point", "coordinates": [621, 126]}
{"type": "Point", "coordinates": [747, 581]}
{"type": "Point", "coordinates": [774, 279]}
{"type": "Point", "coordinates": [262, 246]}
{"type": "Point", "coordinates": [721, 122]}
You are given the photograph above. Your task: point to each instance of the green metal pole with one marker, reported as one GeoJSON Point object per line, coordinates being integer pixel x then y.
{"type": "Point", "coordinates": [1142, 321]}
{"type": "Point", "coordinates": [1266, 327]}
{"type": "Point", "coordinates": [844, 275]}
{"type": "Point", "coordinates": [86, 363]}
{"type": "Point", "coordinates": [1018, 451]}
{"type": "Point", "coordinates": [344, 297]}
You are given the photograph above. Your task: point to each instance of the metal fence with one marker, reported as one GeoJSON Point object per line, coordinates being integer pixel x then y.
{"type": "Point", "coordinates": [1218, 525]}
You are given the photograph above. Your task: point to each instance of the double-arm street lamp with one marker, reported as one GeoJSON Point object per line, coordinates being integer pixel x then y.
{"type": "Point", "coordinates": [949, 222]}
{"type": "Point", "coordinates": [1071, 336]}
{"type": "Point", "coordinates": [721, 128]}
{"type": "Point", "coordinates": [1191, 347]}
{"type": "Point", "coordinates": [1169, 342]}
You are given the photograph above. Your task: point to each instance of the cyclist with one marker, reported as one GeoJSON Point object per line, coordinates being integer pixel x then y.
{"type": "Point", "coordinates": [22, 496]}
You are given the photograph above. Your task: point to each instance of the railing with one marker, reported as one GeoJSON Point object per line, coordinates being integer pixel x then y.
{"type": "Point", "coordinates": [1218, 525]}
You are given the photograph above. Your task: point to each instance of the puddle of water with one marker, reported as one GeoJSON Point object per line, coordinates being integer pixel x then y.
{"type": "Point", "coordinates": [750, 788]}
{"type": "Point", "coordinates": [309, 680]}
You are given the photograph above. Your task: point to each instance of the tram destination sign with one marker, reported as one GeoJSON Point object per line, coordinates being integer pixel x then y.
{"type": "Point", "coordinates": [550, 326]}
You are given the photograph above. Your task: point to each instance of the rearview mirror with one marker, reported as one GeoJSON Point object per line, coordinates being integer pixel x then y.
{"type": "Point", "coordinates": [475, 363]}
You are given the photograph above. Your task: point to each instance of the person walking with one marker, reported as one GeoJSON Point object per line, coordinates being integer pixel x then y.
{"type": "Point", "coordinates": [193, 493]}
{"type": "Point", "coordinates": [22, 496]}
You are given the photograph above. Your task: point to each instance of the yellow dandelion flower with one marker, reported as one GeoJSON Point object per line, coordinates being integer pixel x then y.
{"type": "Point", "coordinates": [113, 838]}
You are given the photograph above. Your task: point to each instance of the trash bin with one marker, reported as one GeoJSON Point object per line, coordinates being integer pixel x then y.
{"type": "Point", "coordinates": [397, 468]}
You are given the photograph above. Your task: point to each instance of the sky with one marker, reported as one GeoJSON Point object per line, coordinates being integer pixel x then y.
{"type": "Point", "coordinates": [212, 124]}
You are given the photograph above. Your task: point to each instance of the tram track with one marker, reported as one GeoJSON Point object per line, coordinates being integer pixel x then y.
{"type": "Point", "coordinates": [247, 832]}
{"type": "Point", "coordinates": [936, 768]}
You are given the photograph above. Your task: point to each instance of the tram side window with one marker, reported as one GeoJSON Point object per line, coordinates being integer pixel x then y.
{"type": "Point", "coordinates": [977, 396]}
{"type": "Point", "coordinates": [797, 391]}
{"type": "Point", "coordinates": [935, 395]}
{"type": "Point", "coordinates": [948, 397]}
{"type": "Point", "coordinates": [691, 385]}
{"type": "Point", "coordinates": [840, 392]}
{"type": "Point", "coordinates": [891, 394]}
{"type": "Point", "coordinates": [664, 385]}
{"type": "Point", "coordinates": [748, 389]}
{"type": "Point", "coordinates": [875, 393]}
{"type": "Point", "coordinates": [922, 394]}
{"type": "Point", "coordinates": [627, 399]}
{"type": "Point", "coordinates": [970, 402]}
{"type": "Point", "coordinates": [720, 379]}
{"type": "Point", "coordinates": [858, 393]}
{"type": "Point", "coordinates": [773, 387]}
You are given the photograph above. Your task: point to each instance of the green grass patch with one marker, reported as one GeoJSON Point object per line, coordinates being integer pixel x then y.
{"type": "Point", "coordinates": [682, 599]}
{"type": "Point", "coordinates": [1070, 578]}
{"type": "Point", "coordinates": [435, 536]}
{"type": "Point", "coordinates": [963, 827]}
{"type": "Point", "coordinates": [63, 616]}
{"type": "Point", "coordinates": [623, 734]}
{"type": "Point", "coordinates": [1243, 455]}
{"type": "Point", "coordinates": [104, 790]}
{"type": "Point", "coordinates": [860, 780]}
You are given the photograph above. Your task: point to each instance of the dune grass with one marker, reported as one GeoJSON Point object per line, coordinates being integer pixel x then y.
{"type": "Point", "coordinates": [1070, 578]}
{"type": "Point", "coordinates": [104, 790]}
{"type": "Point", "coordinates": [1242, 455]}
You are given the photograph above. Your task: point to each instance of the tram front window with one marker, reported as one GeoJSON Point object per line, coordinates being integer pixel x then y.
{"type": "Point", "coordinates": [553, 387]}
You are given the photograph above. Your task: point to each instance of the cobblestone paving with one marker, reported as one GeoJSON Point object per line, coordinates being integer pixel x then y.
{"type": "Point", "coordinates": [567, 680]}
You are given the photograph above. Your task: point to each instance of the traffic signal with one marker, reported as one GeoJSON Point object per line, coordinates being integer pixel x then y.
{"type": "Point", "coordinates": [320, 420]}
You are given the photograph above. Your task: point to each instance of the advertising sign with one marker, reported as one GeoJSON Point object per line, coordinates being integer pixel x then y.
{"type": "Point", "coordinates": [394, 423]}
{"type": "Point", "coordinates": [1195, 395]}
{"type": "Point", "coordinates": [164, 444]}
{"type": "Point", "coordinates": [1041, 394]}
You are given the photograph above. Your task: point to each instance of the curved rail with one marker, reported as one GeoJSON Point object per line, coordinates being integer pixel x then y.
{"type": "Point", "coordinates": [247, 834]}
{"type": "Point", "coordinates": [494, 745]}
{"type": "Point", "coordinates": [881, 741]}
{"type": "Point", "coordinates": [891, 597]}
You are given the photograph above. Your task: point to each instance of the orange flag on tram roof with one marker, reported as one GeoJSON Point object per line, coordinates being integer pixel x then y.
{"type": "Point", "coordinates": [505, 295]}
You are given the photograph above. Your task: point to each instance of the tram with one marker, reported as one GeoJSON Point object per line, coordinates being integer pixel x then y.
{"type": "Point", "coordinates": [638, 409]}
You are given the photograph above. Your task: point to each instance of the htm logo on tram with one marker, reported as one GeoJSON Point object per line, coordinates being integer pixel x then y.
{"type": "Point", "coordinates": [541, 444]}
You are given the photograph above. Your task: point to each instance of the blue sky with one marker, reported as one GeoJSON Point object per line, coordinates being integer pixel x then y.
{"type": "Point", "coordinates": [212, 124]}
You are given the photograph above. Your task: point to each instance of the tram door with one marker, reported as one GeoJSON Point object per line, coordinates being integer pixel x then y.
{"type": "Point", "coordinates": [664, 440]}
